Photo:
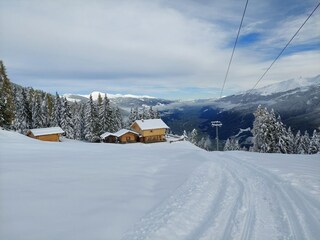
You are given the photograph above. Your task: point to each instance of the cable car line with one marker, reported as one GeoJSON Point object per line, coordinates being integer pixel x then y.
{"type": "Point", "coordinates": [234, 47]}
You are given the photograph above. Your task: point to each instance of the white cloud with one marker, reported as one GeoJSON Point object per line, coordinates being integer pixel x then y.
{"type": "Point", "coordinates": [141, 47]}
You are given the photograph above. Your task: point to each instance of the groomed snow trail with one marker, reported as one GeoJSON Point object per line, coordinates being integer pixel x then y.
{"type": "Point", "coordinates": [230, 198]}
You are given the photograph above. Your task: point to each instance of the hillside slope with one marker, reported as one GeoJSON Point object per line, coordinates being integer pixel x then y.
{"type": "Point", "coordinates": [297, 101]}
{"type": "Point", "coordinates": [75, 190]}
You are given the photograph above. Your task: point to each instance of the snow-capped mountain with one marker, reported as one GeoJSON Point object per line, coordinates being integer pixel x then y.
{"type": "Point", "coordinates": [95, 95]}
{"type": "Point", "coordinates": [297, 101]}
{"type": "Point", "coordinates": [125, 101]}
{"type": "Point", "coordinates": [285, 86]}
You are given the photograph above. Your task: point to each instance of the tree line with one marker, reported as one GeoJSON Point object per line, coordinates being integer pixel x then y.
{"type": "Point", "coordinates": [23, 108]}
{"type": "Point", "coordinates": [271, 136]}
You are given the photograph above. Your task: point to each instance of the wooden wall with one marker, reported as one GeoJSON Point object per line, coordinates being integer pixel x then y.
{"type": "Point", "coordinates": [128, 138]}
{"type": "Point", "coordinates": [48, 138]}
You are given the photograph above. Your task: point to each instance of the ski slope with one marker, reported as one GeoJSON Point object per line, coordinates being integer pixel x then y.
{"type": "Point", "coordinates": [74, 190]}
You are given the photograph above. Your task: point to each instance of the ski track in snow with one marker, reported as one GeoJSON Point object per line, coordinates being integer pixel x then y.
{"type": "Point", "coordinates": [229, 198]}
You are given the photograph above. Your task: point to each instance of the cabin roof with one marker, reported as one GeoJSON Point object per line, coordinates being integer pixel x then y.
{"type": "Point", "coordinates": [46, 131]}
{"type": "Point", "coordinates": [107, 134]}
{"type": "Point", "coordinates": [117, 134]}
{"type": "Point", "coordinates": [151, 124]}
{"type": "Point", "coordinates": [124, 131]}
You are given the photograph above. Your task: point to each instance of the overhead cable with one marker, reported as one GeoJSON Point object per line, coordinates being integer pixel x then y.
{"type": "Point", "coordinates": [234, 47]}
{"type": "Point", "coordinates": [284, 48]}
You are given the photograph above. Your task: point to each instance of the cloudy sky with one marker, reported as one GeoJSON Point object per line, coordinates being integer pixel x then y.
{"type": "Point", "coordinates": [171, 49]}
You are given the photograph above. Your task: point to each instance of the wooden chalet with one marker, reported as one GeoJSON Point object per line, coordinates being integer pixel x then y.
{"type": "Point", "coordinates": [150, 130]}
{"type": "Point", "coordinates": [122, 136]}
{"type": "Point", "coordinates": [51, 134]}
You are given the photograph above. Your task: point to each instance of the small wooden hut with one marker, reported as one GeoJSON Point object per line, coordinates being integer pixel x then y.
{"type": "Point", "coordinates": [51, 134]}
{"type": "Point", "coordinates": [122, 136]}
{"type": "Point", "coordinates": [108, 137]}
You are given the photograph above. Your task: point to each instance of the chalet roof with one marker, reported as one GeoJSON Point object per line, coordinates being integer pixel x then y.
{"type": "Point", "coordinates": [117, 134]}
{"type": "Point", "coordinates": [124, 131]}
{"type": "Point", "coordinates": [151, 124]}
{"type": "Point", "coordinates": [107, 134]}
{"type": "Point", "coordinates": [46, 131]}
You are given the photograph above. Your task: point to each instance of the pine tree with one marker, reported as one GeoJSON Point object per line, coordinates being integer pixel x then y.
{"type": "Point", "coordinates": [303, 148]}
{"type": "Point", "coordinates": [144, 113]}
{"type": "Point", "coordinates": [36, 112]}
{"type": "Point", "coordinates": [118, 119]}
{"type": "Point", "coordinates": [297, 142]}
{"type": "Point", "coordinates": [194, 136]}
{"type": "Point", "coordinates": [232, 144]}
{"type": "Point", "coordinates": [270, 135]}
{"type": "Point", "coordinates": [131, 118]}
{"type": "Point", "coordinates": [23, 114]}
{"type": "Point", "coordinates": [157, 114]}
{"type": "Point", "coordinates": [314, 146]}
{"type": "Point", "coordinates": [282, 137]}
{"type": "Point", "coordinates": [152, 114]}
{"type": "Point", "coordinates": [56, 112]}
{"type": "Point", "coordinates": [66, 119]}
{"type": "Point", "coordinates": [45, 112]}
{"type": "Point", "coordinates": [227, 145]}
{"type": "Point", "coordinates": [91, 119]}
{"type": "Point", "coordinates": [6, 99]}
{"type": "Point", "coordinates": [207, 143]}
{"type": "Point", "coordinates": [105, 116]}
{"type": "Point", "coordinates": [291, 142]}
{"type": "Point", "coordinates": [80, 123]}
{"type": "Point", "coordinates": [264, 131]}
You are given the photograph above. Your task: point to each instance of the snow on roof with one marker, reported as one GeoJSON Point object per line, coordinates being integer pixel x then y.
{"type": "Point", "coordinates": [107, 134]}
{"type": "Point", "coordinates": [151, 124]}
{"type": "Point", "coordinates": [124, 131]}
{"type": "Point", "coordinates": [46, 131]}
{"type": "Point", "coordinates": [117, 134]}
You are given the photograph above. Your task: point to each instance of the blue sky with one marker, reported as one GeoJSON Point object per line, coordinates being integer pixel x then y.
{"type": "Point", "coordinates": [170, 49]}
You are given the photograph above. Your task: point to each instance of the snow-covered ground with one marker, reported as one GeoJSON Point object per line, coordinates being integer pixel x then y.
{"type": "Point", "coordinates": [75, 190]}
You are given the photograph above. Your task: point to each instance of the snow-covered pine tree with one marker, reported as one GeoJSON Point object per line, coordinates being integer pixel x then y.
{"type": "Point", "coordinates": [36, 112]}
{"type": "Point", "coordinates": [194, 137]}
{"type": "Point", "coordinates": [269, 133]}
{"type": "Point", "coordinates": [314, 146]}
{"type": "Point", "coordinates": [79, 120]}
{"type": "Point", "coordinates": [23, 113]}
{"type": "Point", "coordinates": [227, 145]}
{"type": "Point", "coordinates": [91, 119]}
{"type": "Point", "coordinates": [56, 112]}
{"type": "Point", "coordinates": [6, 102]}
{"type": "Point", "coordinates": [291, 142]}
{"type": "Point", "coordinates": [152, 113]}
{"type": "Point", "coordinates": [232, 144]}
{"type": "Point", "coordinates": [303, 148]}
{"type": "Point", "coordinates": [207, 143]}
{"type": "Point", "coordinates": [235, 144]}
{"type": "Point", "coordinates": [131, 118]}
{"type": "Point", "coordinates": [201, 143]}
{"type": "Point", "coordinates": [282, 137]}
{"type": "Point", "coordinates": [118, 119]}
{"type": "Point", "coordinates": [66, 119]}
{"type": "Point", "coordinates": [297, 142]}
{"type": "Point", "coordinates": [45, 111]}
{"type": "Point", "coordinates": [105, 116]}
{"type": "Point", "coordinates": [144, 113]}
{"type": "Point", "coordinates": [157, 114]}
{"type": "Point", "coordinates": [263, 131]}
{"type": "Point", "coordinates": [185, 135]}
